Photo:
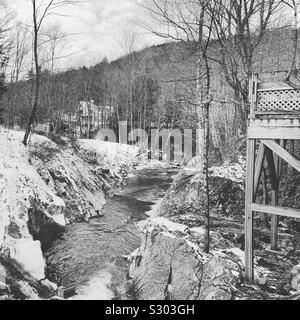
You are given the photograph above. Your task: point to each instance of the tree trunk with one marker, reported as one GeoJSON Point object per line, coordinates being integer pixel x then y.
{"type": "Point", "coordinates": [37, 79]}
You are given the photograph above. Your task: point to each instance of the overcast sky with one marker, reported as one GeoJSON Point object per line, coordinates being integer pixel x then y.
{"type": "Point", "coordinates": [100, 25]}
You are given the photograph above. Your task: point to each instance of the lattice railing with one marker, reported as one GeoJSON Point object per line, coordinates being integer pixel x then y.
{"type": "Point", "coordinates": [278, 100]}
{"type": "Point", "coordinates": [273, 98]}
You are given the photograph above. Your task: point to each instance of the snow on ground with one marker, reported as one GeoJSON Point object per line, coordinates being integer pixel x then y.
{"type": "Point", "coordinates": [233, 171]}
{"type": "Point", "coordinates": [259, 271]}
{"type": "Point", "coordinates": [145, 164]}
{"type": "Point", "coordinates": [154, 211]}
{"type": "Point", "coordinates": [98, 288]}
{"type": "Point", "coordinates": [110, 149]}
{"type": "Point", "coordinates": [112, 155]}
{"type": "Point", "coordinates": [19, 184]}
{"type": "Point", "coordinates": [168, 224]}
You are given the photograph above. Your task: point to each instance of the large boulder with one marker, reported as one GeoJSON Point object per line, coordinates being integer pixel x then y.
{"type": "Point", "coordinates": [171, 264]}
{"type": "Point", "coordinates": [187, 196]}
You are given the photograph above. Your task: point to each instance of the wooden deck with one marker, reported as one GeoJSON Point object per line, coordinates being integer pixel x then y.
{"type": "Point", "coordinates": [274, 119]}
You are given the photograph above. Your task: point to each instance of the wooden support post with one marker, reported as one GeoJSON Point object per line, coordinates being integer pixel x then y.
{"type": "Point", "coordinates": [253, 94]}
{"type": "Point", "coordinates": [274, 223]}
{"type": "Point", "coordinates": [258, 166]}
{"type": "Point", "coordinates": [274, 168]}
{"type": "Point", "coordinates": [249, 197]}
{"type": "Point", "coordinates": [292, 152]}
{"type": "Point", "coordinates": [279, 162]}
{"type": "Point", "coordinates": [295, 163]}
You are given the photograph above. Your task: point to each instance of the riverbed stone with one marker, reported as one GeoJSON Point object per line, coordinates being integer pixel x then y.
{"type": "Point", "coordinates": [4, 288]}
{"type": "Point", "coordinates": [167, 266]}
{"type": "Point", "coordinates": [2, 274]}
{"type": "Point", "coordinates": [296, 269]}
{"type": "Point", "coordinates": [296, 282]}
{"type": "Point", "coordinates": [50, 285]}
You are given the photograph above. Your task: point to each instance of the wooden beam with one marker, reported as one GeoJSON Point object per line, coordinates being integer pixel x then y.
{"type": "Point", "coordinates": [279, 211]}
{"type": "Point", "coordinates": [249, 198]}
{"type": "Point", "coordinates": [278, 160]}
{"type": "Point", "coordinates": [258, 166]}
{"type": "Point", "coordinates": [271, 164]}
{"type": "Point", "coordinates": [274, 183]}
{"type": "Point", "coordinates": [253, 94]}
{"type": "Point", "coordinates": [292, 152]}
{"type": "Point", "coordinates": [270, 86]}
{"type": "Point", "coordinates": [289, 122]}
{"type": "Point", "coordinates": [274, 222]}
{"type": "Point", "coordinates": [283, 154]}
{"type": "Point", "coordinates": [275, 197]}
{"type": "Point", "coordinates": [274, 133]}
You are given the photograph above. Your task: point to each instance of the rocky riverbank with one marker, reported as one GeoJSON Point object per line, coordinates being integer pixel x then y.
{"type": "Point", "coordinates": [44, 187]}
{"type": "Point", "coordinates": [171, 262]}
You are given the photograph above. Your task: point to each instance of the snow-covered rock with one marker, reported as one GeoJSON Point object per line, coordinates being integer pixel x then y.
{"type": "Point", "coordinates": [4, 288]}
{"type": "Point", "coordinates": [170, 264]}
{"type": "Point", "coordinates": [296, 282]}
{"type": "Point", "coordinates": [49, 184]}
{"type": "Point", "coordinates": [20, 188]}
{"type": "Point", "coordinates": [111, 155]}
{"type": "Point", "coordinates": [187, 195]}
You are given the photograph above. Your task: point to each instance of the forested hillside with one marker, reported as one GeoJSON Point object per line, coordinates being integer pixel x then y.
{"type": "Point", "coordinates": [152, 88]}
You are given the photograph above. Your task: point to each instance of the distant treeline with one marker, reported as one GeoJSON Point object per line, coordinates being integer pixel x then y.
{"type": "Point", "coordinates": [151, 88]}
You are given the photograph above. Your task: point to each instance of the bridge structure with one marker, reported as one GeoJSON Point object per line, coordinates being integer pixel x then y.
{"type": "Point", "coordinates": [274, 123]}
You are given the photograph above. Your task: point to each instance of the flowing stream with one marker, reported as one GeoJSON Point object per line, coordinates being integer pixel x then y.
{"type": "Point", "coordinates": [91, 256]}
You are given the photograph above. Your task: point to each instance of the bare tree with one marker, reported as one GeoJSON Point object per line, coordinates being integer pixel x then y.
{"type": "Point", "coordinates": [128, 43]}
{"type": "Point", "coordinates": [18, 52]}
{"type": "Point", "coordinates": [128, 40]}
{"type": "Point", "coordinates": [188, 21]}
{"type": "Point", "coordinates": [5, 40]}
{"type": "Point", "coordinates": [40, 12]}
{"type": "Point", "coordinates": [294, 5]}
{"type": "Point", "coordinates": [5, 37]}
{"type": "Point", "coordinates": [239, 27]}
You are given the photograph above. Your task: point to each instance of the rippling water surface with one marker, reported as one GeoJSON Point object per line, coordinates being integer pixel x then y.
{"type": "Point", "coordinates": [91, 255]}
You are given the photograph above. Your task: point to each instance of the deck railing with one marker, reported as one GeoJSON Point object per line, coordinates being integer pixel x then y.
{"type": "Point", "coordinates": [273, 98]}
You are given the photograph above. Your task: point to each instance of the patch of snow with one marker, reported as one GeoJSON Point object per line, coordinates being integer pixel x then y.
{"type": "Point", "coordinates": [168, 234]}
{"type": "Point", "coordinates": [193, 245]}
{"type": "Point", "coordinates": [58, 218]}
{"type": "Point", "coordinates": [259, 272]}
{"type": "Point", "coordinates": [154, 211]}
{"type": "Point", "coordinates": [169, 225]}
{"type": "Point", "coordinates": [235, 172]}
{"type": "Point", "coordinates": [112, 156]}
{"type": "Point", "coordinates": [49, 284]}
{"type": "Point", "coordinates": [198, 230]}
{"type": "Point", "coordinates": [145, 164]}
{"type": "Point", "coordinates": [237, 252]}
{"type": "Point", "coordinates": [232, 171]}
{"type": "Point", "coordinates": [98, 288]}
{"type": "Point", "coordinates": [133, 254]}
{"type": "Point", "coordinates": [29, 254]}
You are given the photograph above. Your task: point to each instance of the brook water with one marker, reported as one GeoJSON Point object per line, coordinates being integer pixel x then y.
{"type": "Point", "coordinates": [92, 255]}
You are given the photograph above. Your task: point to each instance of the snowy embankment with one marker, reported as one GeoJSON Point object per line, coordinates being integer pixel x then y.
{"type": "Point", "coordinates": [113, 156]}
{"type": "Point", "coordinates": [20, 185]}
{"type": "Point", "coordinates": [49, 184]}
